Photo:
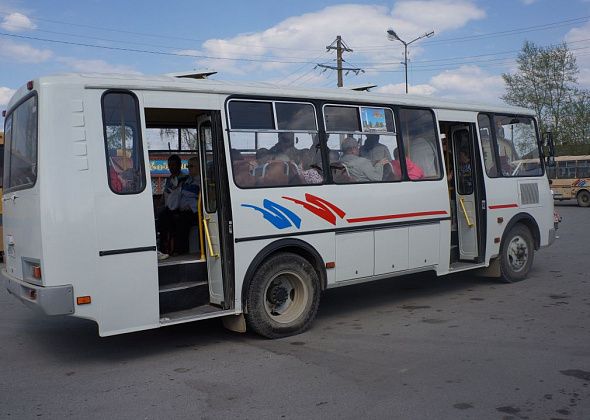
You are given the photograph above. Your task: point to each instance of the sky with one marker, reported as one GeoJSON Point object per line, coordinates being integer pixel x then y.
{"type": "Point", "coordinates": [283, 41]}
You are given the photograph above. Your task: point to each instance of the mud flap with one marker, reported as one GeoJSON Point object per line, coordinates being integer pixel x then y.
{"type": "Point", "coordinates": [493, 270]}
{"type": "Point", "coordinates": [235, 323]}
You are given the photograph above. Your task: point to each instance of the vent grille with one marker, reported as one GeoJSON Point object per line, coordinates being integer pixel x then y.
{"type": "Point", "coordinates": [529, 193]}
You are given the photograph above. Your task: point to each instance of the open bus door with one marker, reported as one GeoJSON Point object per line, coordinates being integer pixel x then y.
{"type": "Point", "coordinates": [210, 157]}
{"type": "Point", "coordinates": [466, 190]}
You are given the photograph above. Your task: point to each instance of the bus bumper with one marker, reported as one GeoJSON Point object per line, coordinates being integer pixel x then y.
{"type": "Point", "coordinates": [57, 300]}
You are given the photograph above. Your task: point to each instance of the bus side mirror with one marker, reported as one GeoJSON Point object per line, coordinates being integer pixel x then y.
{"type": "Point", "coordinates": [548, 141]}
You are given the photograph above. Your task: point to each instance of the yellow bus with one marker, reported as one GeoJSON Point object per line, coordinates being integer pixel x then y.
{"type": "Point", "coordinates": [570, 179]}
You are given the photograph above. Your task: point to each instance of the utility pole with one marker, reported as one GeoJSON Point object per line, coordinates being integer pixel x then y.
{"type": "Point", "coordinates": [340, 46]}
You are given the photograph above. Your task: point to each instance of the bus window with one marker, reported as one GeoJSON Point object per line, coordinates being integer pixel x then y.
{"type": "Point", "coordinates": [485, 136]}
{"type": "Point", "coordinates": [517, 141]}
{"type": "Point", "coordinates": [267, 154]}
{"type": "Point", "coordinates": [362, 144]}
{"type": "Point", "coordinates": [122, 135]}
{"type": "Point", "coordinates": [420, 142]}
{"type": "Point", "coordinates": [566, 169]}
{"type": "Point", "coordinates": [21, 145]}
{"type": "Point", "coordinates": [583, 170]}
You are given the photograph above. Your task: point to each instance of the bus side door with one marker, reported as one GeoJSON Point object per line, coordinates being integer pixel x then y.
{"type": "Point", "coordinates": [465, 186]}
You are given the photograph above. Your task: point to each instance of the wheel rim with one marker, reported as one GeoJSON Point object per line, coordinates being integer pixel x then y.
{"type": "Point", "coordinates": [285, 297]}
{"type": "Point", "coordinates": [585, 198]}
{"type": "Point", "coordinates": [518, 253]}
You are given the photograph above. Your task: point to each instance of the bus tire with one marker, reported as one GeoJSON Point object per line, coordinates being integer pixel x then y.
{"type": "Point", "coordinates": [583, 198]}
{"type": "Point", "coordinates": [517, 253]}
{"type": "Point", "coordinates": [283, 297]}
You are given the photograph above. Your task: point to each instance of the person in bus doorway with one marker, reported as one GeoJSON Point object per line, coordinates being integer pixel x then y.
{"type": "Point", "coordinates": [359, 168]}
{"type": "Point", "coordinates": [465, 175]}
{"type": "Point", "coordinates": [187, 216]}
{"type": "Point", "coordinates": [171, 203]}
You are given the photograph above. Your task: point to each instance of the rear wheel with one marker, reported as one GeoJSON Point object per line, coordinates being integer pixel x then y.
{"type": "Point", "coordinates": [583, 198]}
{"type": "Point", "coordinates": [516, 254]}
{"type": "Point", "coordinates": [283, 297]}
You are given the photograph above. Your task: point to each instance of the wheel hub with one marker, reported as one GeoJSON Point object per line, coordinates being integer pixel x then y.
{"type": "Point", "coordinates": [278, 295]}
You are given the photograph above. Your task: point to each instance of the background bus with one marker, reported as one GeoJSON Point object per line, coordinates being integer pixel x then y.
{"type": "Point", "coordinates": [570, 179]}
{"type": "Point", "coordinates": [1, 176]}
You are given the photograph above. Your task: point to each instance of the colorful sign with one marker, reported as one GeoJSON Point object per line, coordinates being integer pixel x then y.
{"type": "Point", "coordinates": [373, 119]}
{"type": "Point", "coordinates": [160, 167]}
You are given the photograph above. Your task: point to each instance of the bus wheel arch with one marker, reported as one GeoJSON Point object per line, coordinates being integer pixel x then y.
{"type": "Point", "coordinates": [583, 197]}
{"type": "Point", "coordinates": [520, 240]}
{"type": "Point", "coordinates": [288, 245]}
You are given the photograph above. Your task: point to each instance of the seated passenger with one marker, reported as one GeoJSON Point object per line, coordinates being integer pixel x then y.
{"type": "Point", "coordinates": [373, 150]}
{"type": "Point", "coordinates": [359, 168]}
{"type": "Point", "coordinates": [424, 154]}
{"type": "Point", "coordinates": [285, 146]}
{"type": "Point", "coordinates": [414, 171]}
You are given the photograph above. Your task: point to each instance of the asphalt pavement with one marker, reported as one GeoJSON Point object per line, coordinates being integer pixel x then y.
{"type": "Point", "coordinates": [418, 347]}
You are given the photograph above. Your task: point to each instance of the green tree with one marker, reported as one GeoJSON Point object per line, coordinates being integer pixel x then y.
{"type": "Point", "coordinates": [545, 81]}
{"type": "Point", "coordinates": [576, 119]}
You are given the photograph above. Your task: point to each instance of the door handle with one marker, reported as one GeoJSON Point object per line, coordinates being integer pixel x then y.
{"type": "Point", "coordinates": [212, 253]}
{"type": "Point", "coordinates": [469, 222]}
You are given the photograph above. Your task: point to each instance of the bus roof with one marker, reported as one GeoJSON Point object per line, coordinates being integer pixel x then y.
{"type": "Point", "coordinates": [170, 83]}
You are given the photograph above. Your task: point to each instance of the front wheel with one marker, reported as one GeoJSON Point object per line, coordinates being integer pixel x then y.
{"type": "Point", "coordinates": [516, 254]}
{"type": "Point", "coordinates": [283, 297]}
{"type": "Point", "coordinates": [583, 198]}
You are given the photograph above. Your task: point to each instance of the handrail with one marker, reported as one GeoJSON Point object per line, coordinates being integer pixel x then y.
{"type": "Point", "coordinates": [469, 222]}
{"type": "Point", "coordinates": [201, 239]}
{"type": "Point", "coordinates": [206, 225]}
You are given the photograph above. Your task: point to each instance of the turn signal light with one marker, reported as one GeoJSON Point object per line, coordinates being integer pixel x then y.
{"type": "Point", "coordinates": [36, 272]}
{"type": "Point", "coordinates": [330, 264]}
{"type": "Point", "coordinates": [83, 300]}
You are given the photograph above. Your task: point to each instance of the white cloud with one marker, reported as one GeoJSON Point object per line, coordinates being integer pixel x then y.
{"type": "Point", "coordinates": [23, 53]}
{"type": "Point", "coordinates": [528, 2]}
{"type": "Point", "coordinates": [17, 22]}
{"type": "Point", "coordinates": [5, 95]}
{"type": "Point", "coordinates": [469, 83]}
{"type": "Point", "coordinates": [582, 57]}
{"type": "Point", "coordinates": [95, 66]}
{"type": "Point", "coordinates": [400, 88]}
{"type": "Point", "coordinates": [302, 38]}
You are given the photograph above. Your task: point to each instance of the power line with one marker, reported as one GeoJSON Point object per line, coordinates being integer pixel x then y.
{"type": "Point", "coordinates": [167, 53]}
{"type": "Point", "coordinates": [513, 31]}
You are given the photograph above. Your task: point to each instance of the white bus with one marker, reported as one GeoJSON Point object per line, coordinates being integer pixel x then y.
{"type": "Point", "coordinates": [302, 190]}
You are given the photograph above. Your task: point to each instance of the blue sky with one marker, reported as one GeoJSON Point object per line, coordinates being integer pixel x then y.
{"type": "Point", "coordinates": [281, 41]}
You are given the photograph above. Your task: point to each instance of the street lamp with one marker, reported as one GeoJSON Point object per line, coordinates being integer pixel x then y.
{"type": "Point", "coordinates": [392, 36]}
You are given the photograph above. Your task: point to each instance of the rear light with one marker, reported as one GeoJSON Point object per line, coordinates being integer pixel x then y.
{"type": "Point", "coordinates": [36, 271]}
{"type": "Point", "coordinates": [83, 300]}
{"type": "Point", "coordinates": [30, 85]}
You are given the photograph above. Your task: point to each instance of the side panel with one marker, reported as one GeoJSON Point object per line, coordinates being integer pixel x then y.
{"type": "Point", "coordinates": [354, 255]}
{"type": "Point", "coordinates": [391, 250]}
{"type": "Point", "coordinates": [424, 245]}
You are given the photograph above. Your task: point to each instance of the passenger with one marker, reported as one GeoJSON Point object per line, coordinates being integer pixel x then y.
{"type": "Point", "coordinates": [359, 168]}
{"type": "Point", "coordinates": [187, 214]}
{"type": "Point", "coordinates": [285, 146]}
{"type": "Point", "coordinates": [373, 150]}
{"type": "Point", "coordinates": [424, 155]}
{"type": "Point", "coordinates": [414, 171]}
{"type": "Point", "coordinates": [465, 174]}
{"type": "Point", "coordinates": [171, 203]}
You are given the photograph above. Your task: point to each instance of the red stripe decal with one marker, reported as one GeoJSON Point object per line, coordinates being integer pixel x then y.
{"type": "Point", "coordinates": [396, 216]}
{"type": "Point", "coordinates": [503, 206]}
